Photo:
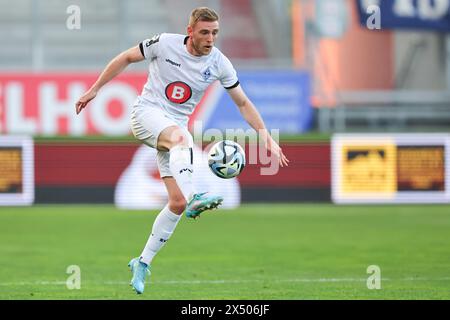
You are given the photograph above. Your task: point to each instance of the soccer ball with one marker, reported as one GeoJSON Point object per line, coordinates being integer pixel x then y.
{"type": "Point", "coordinates": [226, 159]}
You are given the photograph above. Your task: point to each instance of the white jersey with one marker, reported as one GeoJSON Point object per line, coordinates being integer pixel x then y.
{"type": "Point", "coordinates": [177, 79]}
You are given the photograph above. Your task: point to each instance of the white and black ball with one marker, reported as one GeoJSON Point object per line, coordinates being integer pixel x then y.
{"type": "Point", "coordinates": [226, 159]}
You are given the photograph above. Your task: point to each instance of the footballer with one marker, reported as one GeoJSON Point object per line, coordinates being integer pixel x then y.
{"type": "Point", "coordinates": [181, 67]}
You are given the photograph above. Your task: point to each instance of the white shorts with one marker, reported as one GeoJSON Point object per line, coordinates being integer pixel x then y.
{"type": "Point", "coordinates": [146, 124]}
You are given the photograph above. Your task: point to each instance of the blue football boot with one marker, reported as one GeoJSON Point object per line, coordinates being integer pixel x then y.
{"type": "Point", "coordinates": [139, 270]}
{"type": "Point", "coordinates": [201, 202]}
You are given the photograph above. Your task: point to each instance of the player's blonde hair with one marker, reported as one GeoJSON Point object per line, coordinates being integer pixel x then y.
{"type": "Point", "coordinates": [202, 14]}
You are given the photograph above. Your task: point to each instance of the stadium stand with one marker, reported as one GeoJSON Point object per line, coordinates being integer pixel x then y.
{"type": "Point", "coordinates": [35, 35]}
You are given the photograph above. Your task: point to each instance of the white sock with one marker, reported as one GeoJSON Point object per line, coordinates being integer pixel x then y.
{"type": "Point", "coordinates": [181, 167]}
{"type": "Point", "coordinates": [163, 227]}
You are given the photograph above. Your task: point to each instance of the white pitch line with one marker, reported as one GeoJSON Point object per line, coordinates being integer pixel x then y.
{"type": "Point", "coordinates": [177, 282]}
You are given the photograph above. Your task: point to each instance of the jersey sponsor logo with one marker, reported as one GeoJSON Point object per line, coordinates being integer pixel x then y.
{"type": "Point", "coordinates": [178, 92]}
{"type": "Point", "coordinates": [173, 63]}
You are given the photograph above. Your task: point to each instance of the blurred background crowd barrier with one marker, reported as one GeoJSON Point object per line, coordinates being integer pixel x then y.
{"type": "Point", "coordinates": [313, 68]}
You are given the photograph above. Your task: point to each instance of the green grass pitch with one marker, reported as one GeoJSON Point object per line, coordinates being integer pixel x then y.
{"type": "Point", "coordinates": [266, 251]}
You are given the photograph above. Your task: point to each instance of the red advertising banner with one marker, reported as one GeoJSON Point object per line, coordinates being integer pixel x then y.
{"type": "Point", "coordinates": [97, 164]}
{"type": "Point", "coordinates": [38, 104]}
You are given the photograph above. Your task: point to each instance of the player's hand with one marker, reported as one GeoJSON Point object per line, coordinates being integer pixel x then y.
{"type": "Point", "coordinates": [273, 147]}
{"type": "Point", "coordinates": [84, 100]}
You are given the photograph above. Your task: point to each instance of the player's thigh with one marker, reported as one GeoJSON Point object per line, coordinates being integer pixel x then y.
{"type": "Point", "coordinates": [177, 202]}
{"type": "Point", "coordinates": [147, 124]}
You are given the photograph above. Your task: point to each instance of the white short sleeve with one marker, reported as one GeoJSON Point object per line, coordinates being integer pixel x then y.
{"type": "Point", "coordinates": [150, 47]}
{"type": "Point", "coordinates": [228, 77]}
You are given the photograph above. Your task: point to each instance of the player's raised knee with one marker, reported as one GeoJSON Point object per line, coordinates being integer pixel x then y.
{"type": "Point", "coordinates": [171, 137]}
{"type": "Point", "coordinates": [178, 137]}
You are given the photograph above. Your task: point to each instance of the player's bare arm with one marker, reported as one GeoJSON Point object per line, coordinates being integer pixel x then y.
{"type": "Point", "coordinates": [114, 67]}
{"type": "Point", "coordinates": [254, 119]}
